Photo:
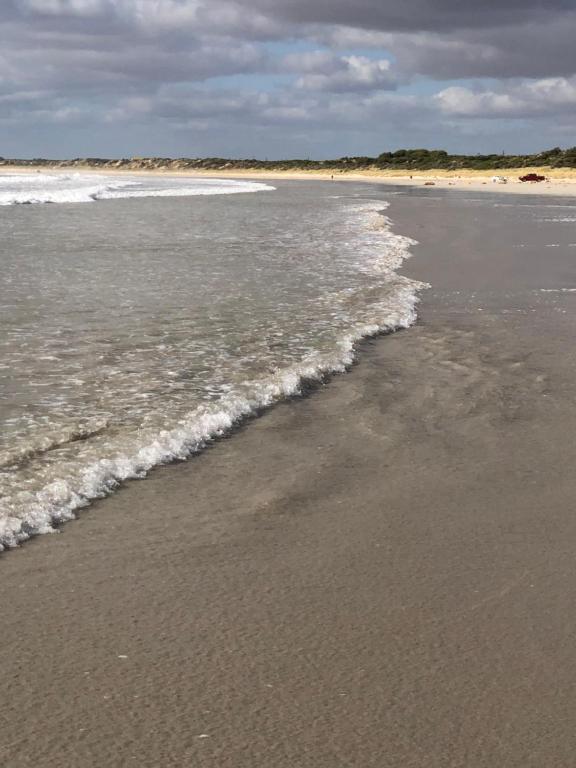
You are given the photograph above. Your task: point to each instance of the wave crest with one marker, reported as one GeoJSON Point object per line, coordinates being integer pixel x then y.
{"type": "Point", "coordinates": [42, 188]}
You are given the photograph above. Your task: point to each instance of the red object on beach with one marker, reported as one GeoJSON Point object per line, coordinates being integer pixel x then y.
{"type": "Point", "coordinates": [532, 177]}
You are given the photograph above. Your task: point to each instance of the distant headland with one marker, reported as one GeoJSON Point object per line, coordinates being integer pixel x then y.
{"type": "Point", "coordinates": [406, 160]}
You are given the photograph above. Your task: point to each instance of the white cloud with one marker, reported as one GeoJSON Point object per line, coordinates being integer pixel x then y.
{"type": "Point", "coordinates": [527, 99]}
{"type": "Point", "coordinates": [354, 73]}
{"type": "Point", "coordinates": [324, 71]}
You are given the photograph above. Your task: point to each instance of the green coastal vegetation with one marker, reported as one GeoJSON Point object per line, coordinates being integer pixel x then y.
{"type": "Point", "coordinates": [401, 160]}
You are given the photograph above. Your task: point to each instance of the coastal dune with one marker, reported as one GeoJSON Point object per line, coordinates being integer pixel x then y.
{"type": "Point", "coordinates": [379, 574]}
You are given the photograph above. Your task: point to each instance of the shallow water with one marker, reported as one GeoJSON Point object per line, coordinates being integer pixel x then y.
{"type": "Point", "coordinates": [134, 330]}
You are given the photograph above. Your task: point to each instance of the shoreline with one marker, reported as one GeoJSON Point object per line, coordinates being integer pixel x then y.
{"type": "Point", "coordinates": [206, 424]}
{"type": "Point", "coordinates": [380, 574]}
{"type": "Point", "coordinates": [560, 182]}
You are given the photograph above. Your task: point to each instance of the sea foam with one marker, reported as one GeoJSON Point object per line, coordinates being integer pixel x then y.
{"type": "Point", "coordinates": [38, 188]}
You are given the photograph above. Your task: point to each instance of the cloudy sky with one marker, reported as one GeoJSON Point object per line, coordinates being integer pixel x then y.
{"type": "Point", "coordinates": [279, 78]}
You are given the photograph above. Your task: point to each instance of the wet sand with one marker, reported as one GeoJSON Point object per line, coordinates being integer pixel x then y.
{"type": "Point", "coordinates": [380, 574]}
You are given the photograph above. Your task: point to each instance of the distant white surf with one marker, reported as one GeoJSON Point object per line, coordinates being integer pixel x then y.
{"type": "Point", "coordinates": [37, 188]}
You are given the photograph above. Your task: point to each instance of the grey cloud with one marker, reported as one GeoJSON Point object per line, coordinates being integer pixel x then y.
{"type": "Point", "coordinates": [42, 107]}
{"type": "Point", "coordinates": [527, 50]}
{"type": "Point", "coordinates": [450, 39]}
{"type": "Point", "coordinates": [64, 7]}
{"type": "Point", "coordinates": [152, 17]}
{"type": "Point", "coordinates": [179, 105]}
{"type": "Point", "coordinates": [149, 63]}
{"type": "Point", "coordinates": [411, 15]}
{"type": "Point", "coordinates": [438, 38]}
{"type": "Point", "coordinates": [118, 58]}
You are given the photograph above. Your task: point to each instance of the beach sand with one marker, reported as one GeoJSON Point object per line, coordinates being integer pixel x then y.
{"type": "Point", "coordinates": [559, 181]}
{"type": "Point", "coordinates": [381, 574]}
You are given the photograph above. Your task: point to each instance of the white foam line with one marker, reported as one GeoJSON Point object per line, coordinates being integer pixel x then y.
{"type": "Point", "coordinates": [557, 290]}
{"type": "Point", "coordinates": [40, 189]}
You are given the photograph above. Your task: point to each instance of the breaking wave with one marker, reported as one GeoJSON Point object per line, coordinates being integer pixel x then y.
{"type": "Point", "coordinates": [39, 188]}
{"type": "Point", "coordinates": [115, 458]}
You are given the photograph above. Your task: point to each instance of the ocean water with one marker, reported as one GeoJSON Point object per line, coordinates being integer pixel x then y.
{"type": "Point", "coordinates": [140, 318]}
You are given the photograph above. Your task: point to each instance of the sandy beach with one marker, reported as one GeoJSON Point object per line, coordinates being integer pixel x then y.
{"type": "Point", "coordinates": [559, 181]}
{"type": "Point", "coordinates": [380, 574]}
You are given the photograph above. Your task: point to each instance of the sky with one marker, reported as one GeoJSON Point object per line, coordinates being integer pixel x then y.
{"type": "Point", "coordinates": [285, 78]}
